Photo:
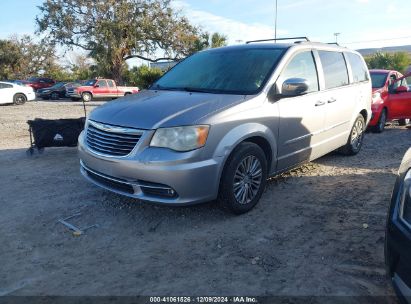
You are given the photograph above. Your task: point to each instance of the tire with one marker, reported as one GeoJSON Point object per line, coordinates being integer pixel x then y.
{"type": "Point", "coordinates": [19, 99]}
{"type": "Point", "coordinates": [379, 128]}
{"type": "Point", "coordinates": [240, 192]}
{"type": "Point", "coordinates": [55, 96]}
{"type": "Point", "coordinates": [403, 122]}
{"type": "Point", "coordinates": [127, 93]}
{"type": "Point", "coordinates": [355, 141]}
{"type": "Point", "coordinates": [86, 97]}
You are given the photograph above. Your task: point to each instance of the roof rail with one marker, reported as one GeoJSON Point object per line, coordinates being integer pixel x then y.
{"type": "Point", "coordinates": [335, 43]}
{"type": "Point", "coordinates": [278, 39]}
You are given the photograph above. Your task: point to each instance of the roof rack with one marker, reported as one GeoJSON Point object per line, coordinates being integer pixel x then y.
{"type": "Point", "coordinates": [335, 43]}
{"type": "Point", "coordinates": [278, 39]}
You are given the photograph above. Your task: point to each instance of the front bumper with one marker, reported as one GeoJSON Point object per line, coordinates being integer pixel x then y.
{"type": "Point", "coordinates": [73, 95]}
{"type": "Point", "coordinates": [148, 173]}
{"type": "Point", "coordinates": [376, 112]}
{"type": "Point", "coordinates": [31, 96]}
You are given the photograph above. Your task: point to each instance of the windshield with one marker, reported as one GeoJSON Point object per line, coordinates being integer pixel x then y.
{"type": "Point", "coordinates": [90, 83]}
{"type": "Point", "coordinates": [378, 80]}
{"type": "Point", "coordinates": [234, 71]}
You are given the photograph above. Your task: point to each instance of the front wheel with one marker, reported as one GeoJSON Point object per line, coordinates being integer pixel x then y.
{"type": "Point", "coordinates": [244, 178]}
{"type": "Point", "coordinates": [55, 96]}
{"type": "Point", "coordinates": [379, 128]}
{"type": "Point", "coordinates": [86, 97]}
{"type": "Point", "coordinates": [19, 99]}
{"type": "Point", "coordinates": [355, 141]}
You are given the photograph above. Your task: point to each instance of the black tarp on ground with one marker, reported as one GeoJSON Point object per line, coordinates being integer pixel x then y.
{"type": "Point", "coordinates": [55, 132]}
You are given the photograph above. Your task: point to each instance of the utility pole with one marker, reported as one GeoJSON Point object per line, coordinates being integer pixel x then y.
{"type": "Point", "coordinates": [276, 15]}
{"type": "Point", "coordinates": [336, 37]}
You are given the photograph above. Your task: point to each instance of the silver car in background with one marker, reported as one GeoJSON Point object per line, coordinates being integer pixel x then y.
{"type": "Point", "coordinates": [222, 121]}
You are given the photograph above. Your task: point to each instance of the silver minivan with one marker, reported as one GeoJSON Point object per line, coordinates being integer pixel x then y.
{"type": "Point", "coordinates": [222, 121]}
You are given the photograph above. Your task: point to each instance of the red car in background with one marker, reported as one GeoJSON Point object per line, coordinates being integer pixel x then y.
{"type": "Point", "coordinates": [391, 99]}
{"type": "Point", "coordinates": [40, 82]}
{"type": "Point", "coordinates": [99, 89]}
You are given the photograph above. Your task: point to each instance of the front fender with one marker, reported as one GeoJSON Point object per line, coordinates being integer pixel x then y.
{"type": "Point", "coordinates": [243, 132]}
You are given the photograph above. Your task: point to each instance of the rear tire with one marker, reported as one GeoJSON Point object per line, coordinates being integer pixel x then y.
{"type": "Point", "coordinates": [355, 141]}
{"type": "Point", "coordinates": [19, 99]}
{"type": "Point", "coordinates": [379, 128]}
{"type": "Point", "coordinates": [86, 97]}
{"type": "Point", "coordinates": [403, 122]}
{"type": "Point", "coordinates": [243, 179]}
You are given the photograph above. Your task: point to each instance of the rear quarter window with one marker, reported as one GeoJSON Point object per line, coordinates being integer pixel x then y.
{"type": "Point", "coordinates": [335, 69]}
{"type": "Point", "coordinates": [358, 67]}
{"type": "Point", "coordinates": [5, 86]}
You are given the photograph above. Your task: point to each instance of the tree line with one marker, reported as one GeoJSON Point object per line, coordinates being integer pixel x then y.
{"type": "Point", "coordinates": [109, 32]}
{"type": "Point", "coordinates": [399, 61]}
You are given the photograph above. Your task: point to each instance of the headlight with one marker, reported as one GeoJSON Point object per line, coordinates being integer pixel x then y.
{"type": "Point", "coordinates": [376, 97]}
{"type": "Point", "coordinates": [405, 208]}
{"type": "Point", "coordinates": [181, 138]}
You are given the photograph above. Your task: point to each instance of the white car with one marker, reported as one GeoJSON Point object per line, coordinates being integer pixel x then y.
{"type": "Point", "coordinates": [14, 93]}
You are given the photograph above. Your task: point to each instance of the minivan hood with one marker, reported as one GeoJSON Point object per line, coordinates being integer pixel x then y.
{"type": "Point", "coordinates": [153, 109]}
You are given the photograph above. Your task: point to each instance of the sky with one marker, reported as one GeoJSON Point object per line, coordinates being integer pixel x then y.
{"type": "Point", "coordinates": [361, 23]}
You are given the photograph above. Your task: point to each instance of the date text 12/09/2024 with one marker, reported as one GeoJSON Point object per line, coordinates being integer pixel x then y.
{"type": "Point", "coordinates": [203, 300]}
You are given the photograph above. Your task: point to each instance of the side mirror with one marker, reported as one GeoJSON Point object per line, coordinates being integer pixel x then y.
{"type": "Point", "coordinates": [96, 85]}
{"type": "Point", "coordinates": [294, 87]}
{"type": "Point", "coordinates": [401, 89]}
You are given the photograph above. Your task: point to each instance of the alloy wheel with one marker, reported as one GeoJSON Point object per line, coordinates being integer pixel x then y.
{"type": "Point", "coordinates": [357, 134]}
{"type": "Point", "coordinates": [247, 179]}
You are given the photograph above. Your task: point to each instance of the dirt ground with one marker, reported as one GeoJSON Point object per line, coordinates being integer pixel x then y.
{"type": "Point", "coordinates": [317, 231]}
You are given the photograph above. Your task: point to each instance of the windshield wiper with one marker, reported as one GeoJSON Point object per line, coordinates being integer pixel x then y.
{"type": "Point", "coordinates": [187, 89]}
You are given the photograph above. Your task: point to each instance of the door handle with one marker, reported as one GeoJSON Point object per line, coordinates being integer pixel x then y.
{"type": "Point", "coordinates": [332, 100]}
{"type": "Point", "coordinates": [319, 103]}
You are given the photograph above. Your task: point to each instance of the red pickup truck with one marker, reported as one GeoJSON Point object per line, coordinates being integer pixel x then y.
{"type": "Point", "coordinates": [99, 89]}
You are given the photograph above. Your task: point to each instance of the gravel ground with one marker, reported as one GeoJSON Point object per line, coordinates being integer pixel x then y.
{"type": "Point", "coordinates": [317, 231]}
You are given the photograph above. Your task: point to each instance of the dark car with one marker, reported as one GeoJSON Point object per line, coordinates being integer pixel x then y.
{"type": "Point", "coordinates": [55, 92]}
{"type": "Point", "coordinates": [59, 90]}
{"type": "Point", "coordinates": [40, 82]}
{"type": "Point", "coordinates": [398, 233]}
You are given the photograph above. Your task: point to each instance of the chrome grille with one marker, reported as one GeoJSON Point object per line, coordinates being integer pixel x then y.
{"type": "Point", "coordinates": [111, 140]}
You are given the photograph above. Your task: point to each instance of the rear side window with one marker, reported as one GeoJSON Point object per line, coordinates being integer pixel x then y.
{"type": "Point", "coordinates": [358, 67]}
{"type": "Point", "coordinates": [5, 86]}
{"type": "Point", "coordinates": [335, 69]}
{"type": "Point", "coordinates": [110, 83]}
{"type": "Point", "coordinates": [302, 66]}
